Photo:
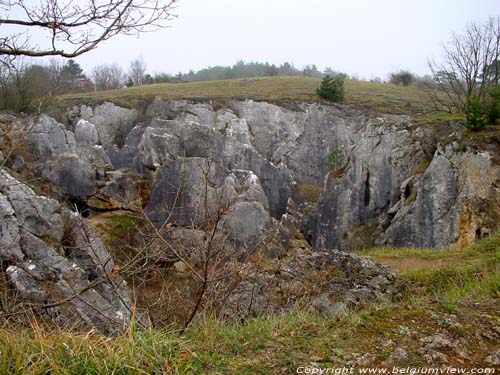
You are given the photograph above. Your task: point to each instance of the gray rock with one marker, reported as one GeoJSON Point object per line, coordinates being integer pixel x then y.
{"type": "Point", "coordinates": [57, 263]}
{"type": "Point", "coordinates": [283, 286]}
{"type": "Point", "coordinates": [436, 209]}
{"type": "Point", "coordinates": [246, 221]}
{"type": "Point", "coordinates": [275, 181]}
{"type": "Point", "coordinates": [122, 191]}
{"type": "Point", "coordinates": [9, 230]}
{"type": "Point", "coordinates": [156, 147]}
{"type": "Point", "coordinates": [86, 134]}
{"type": "Point", "coordinates": [47, 138]}
{"type": "Point", "coordinates": [25, 286]}
{"type": "Point", "coordinates": [431, 220]}
{"type": "Point", "coordinates": [125, 156]}
{"type": "Point", "coordinates": [180, 190]}
{"type": "Point", "coordinates": [398, 356]}
{"type": "Point", "coordinates": [440, 342]}
{"type": "Point", "coordinates": [361, 189]}
{"type": "Point", "coordinates": [112, 123]}
{"type": "Point", "coordinates": [243, 186]}
{"type": "Point", "coordinates": [73, 175]}
{"type": "Point", "coordinates": [40, 214]}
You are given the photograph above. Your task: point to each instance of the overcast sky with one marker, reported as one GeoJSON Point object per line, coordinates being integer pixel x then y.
{"type": "Point", "coordinates": [369, 38]}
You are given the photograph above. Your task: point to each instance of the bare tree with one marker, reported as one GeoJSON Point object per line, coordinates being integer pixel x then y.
{"type": "Point", "coordinates": [137, 71]}
{"type": "Point", "coordinates": [470, 68]}
{"type": "Point", "coordinates": [71, 28]}
{"type": "Point", "coordinates": [108, 77]}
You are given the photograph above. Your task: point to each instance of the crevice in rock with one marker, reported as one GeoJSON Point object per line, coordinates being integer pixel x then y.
{"type": "Point", "coordinates": [366, 198]}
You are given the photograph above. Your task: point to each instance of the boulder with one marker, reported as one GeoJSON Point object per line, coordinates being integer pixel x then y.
{"type": "Point", "coordinates": [86, 134]}
{"type": "Point", "coordinates": [47, 138]}
{"type": "Point", "coordinates": [74, 176]}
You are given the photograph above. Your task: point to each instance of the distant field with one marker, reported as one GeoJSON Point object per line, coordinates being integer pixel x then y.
{"type": "Point", "coordinates": [379, 97]}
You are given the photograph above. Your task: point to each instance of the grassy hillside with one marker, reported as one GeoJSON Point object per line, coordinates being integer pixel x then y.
{"type": "Point", "coordinates": [447, 315]}
{"type": "Point", "coordinates": [386, 98]}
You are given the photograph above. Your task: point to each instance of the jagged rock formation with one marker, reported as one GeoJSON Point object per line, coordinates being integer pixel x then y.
{"type": "Point", "coordinates": [376, 193]}
{"type": "Point", "coordinates": [56, 263]}
{"type": "Point", "coordinates": [381, 180]}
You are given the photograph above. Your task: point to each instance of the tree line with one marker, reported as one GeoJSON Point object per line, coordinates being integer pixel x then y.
{"type": "Point", "coordinates": [465, 80]}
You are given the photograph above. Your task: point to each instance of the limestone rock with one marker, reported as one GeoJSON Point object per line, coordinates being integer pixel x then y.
{"type": "Point", "coordinates": [112, 123]}
{"type": "Point", "coordinates": [56, 261]}
{"type": "Point", "coordinates": [180, 190]}
{"type": "Point", "coordinates": [295, 279]}
{"type": "Point", "coordinates": [86, 133]}
{"type": "Point", "coordinates": [73, 175]}
{"type": "Point", "coordinates": [48, 138]}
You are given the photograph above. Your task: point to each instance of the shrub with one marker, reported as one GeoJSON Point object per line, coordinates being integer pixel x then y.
{"type": "Point", "coordinates": [493, 109]}
{"type": "Point", "coordinates": [475, 118]}
{"type": "Point", "coordinates": [331, 88]}
{"type": "Point", "coordinates": [334, 158]}
{"type": "Point", "coordinates": [403, 77]}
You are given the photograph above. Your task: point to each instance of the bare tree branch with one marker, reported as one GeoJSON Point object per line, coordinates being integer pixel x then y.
{"type": "Point", "coordinates": [71, 28]}
{"type": "Point", "coordinates": [471, 66]}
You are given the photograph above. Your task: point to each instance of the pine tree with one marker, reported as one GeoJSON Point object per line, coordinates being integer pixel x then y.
{"type": "Point", "coordinates": [331, 88]}
{"type": "Point", "coordinates": [475, 118]}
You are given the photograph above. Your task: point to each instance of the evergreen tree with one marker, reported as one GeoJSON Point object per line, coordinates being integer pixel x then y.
{"type": "Point", "coordinates": [73, 69]}
{"type": "Point", "coordinates": [474, 115]}
{"type": "Point", "coordinates": [331, 88]}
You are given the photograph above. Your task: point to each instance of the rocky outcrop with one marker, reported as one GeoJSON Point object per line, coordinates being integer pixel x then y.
{"type": "Point", "coordinates": [375, 190]}
{"type": "Point", "coordinates": [73, 175]}
{"type": "Point", "coordinates": [340, 177]}
{"type": "Point", "coordinates": [450, 202]}
{"type": "Point", "coordinates": [381, 183]}
{"type": "Point", "coordinates": [112, 123]}
{"type": "Point", "coordinates": [184, 192]}
{"type": "Point", "coordinates": [189, 191]}
{"type": "Point", "coordinates": [325, 282]}
{"type": "Point", "coordinates": [56, 264]}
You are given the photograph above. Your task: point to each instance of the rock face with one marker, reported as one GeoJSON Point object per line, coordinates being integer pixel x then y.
{"type": "Point", "coordinates": [384, 180]}
{"type": "Point", "coordinates": [381, 180]}
{"type": "Point", "coordinates": [112, 123]}
{"type": "Point", "coordinates": [56, 263]}
{"type": "Point", "coordinates": [377, 188]}
{"type": "Point", "coordinates": [450, 205]}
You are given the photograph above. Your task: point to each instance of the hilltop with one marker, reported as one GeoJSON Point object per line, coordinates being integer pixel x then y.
{"type": "Point", "coordinates": [381, 97]}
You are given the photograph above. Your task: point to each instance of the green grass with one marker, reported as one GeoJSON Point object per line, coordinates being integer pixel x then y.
{"type": "Point", "coordinates": [386, 98]}
{"type": "Point", "coordinates": [467, 289]}
{"type": "Point", "coordinates": [447, 274]}
{"type": "Point", "coordinates": [120, 224]}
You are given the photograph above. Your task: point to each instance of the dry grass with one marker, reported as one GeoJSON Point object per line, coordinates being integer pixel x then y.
{"type": "Point", "coordinates": [278, 344]}
{"type": "Point", "coordinates": [379, 97]}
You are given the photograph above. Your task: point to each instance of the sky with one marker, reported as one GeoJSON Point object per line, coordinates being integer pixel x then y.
{"type": "Point", "coordinates": [367, 38]}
